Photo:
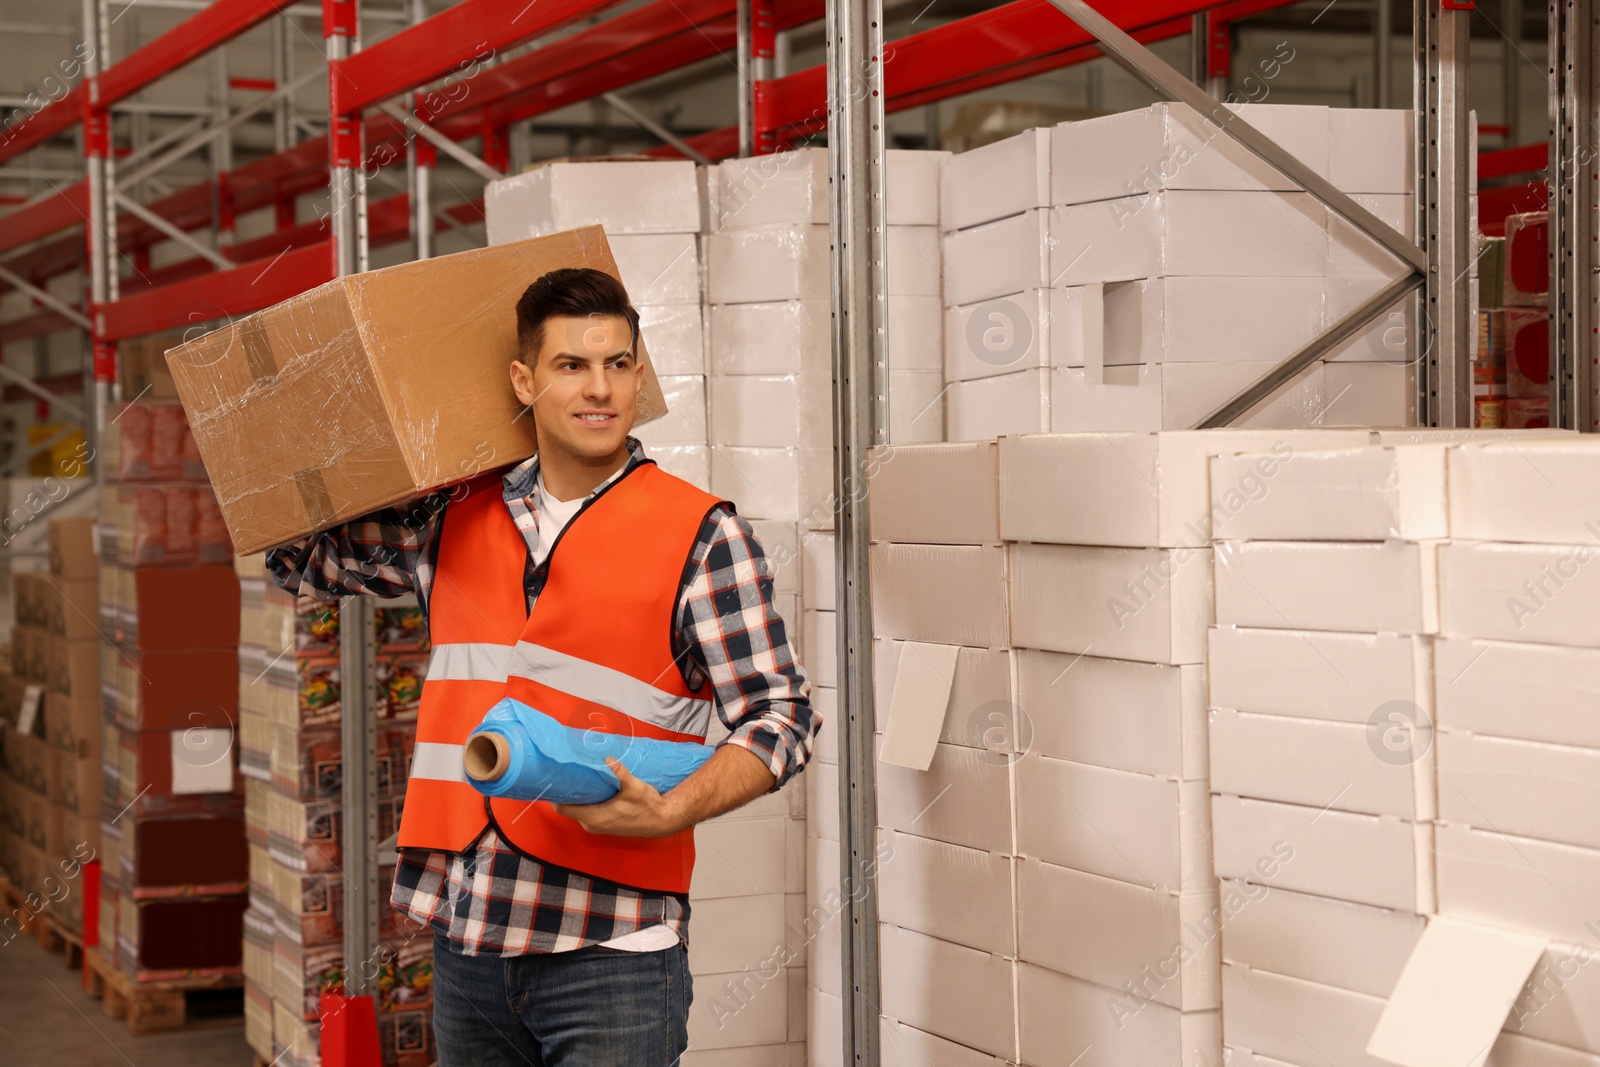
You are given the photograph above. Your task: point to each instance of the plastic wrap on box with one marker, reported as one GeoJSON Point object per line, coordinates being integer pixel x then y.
{"type": "Point", "coordinates": [685, 421]}
{"type": "Point", "coordinates": [1527, 260]}
{"type": "Point", "coordinates": [372, 388]}
{"type": "Point", "coordinates": [792, 484]}
{"type": "Point", "coordinates": [771, 411]}
{"type": "Point", "coordinates": [779, 262]}
{"type": "Point", "coordinates": [659, 268]}
{"type": "Point", "coordinates": [911, 186]}
{"type": "Point", "coordinates": [304, 690]}
{"type": "Point", "coordinates": [1389, 586]}
{"type": "Point", "coordinates": [1009, 255]}
{"type": "Point", "coordinates": [1002, 335]}
{"type": "Point", "coordinates": [782, 187]}
{"type": "Point", "coordinates": [985, 408]}
{"type": "Point", "coordinates": [1170, 146]}
{"type": "Point", "coordinates": [676, 336]}
{"type": "Point", "coordinates": [1370, 150]}
{"type": "Point", "coordinates": [916, 413]}
{"type": "Point", "coordinates": [995, 180]}
{"type": "Point", "coordinates": [1375, 493]}
{"type": "Point", "coordinates": [692, 463]}
{"type": "Point", "coordinates": [785, 337]}
{"type": "Point", "coordinates": [1177, 396]}
{"type": "Point", "coordinates": [152, 442]}
{"type": "Point", "coordinates": [624, 196]}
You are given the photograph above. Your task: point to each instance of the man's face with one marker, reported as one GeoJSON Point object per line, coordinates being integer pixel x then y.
{"type": "Point", "coordinates": [583, 385]}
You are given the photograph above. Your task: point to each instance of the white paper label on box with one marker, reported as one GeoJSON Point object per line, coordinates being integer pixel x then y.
{"type": "Point", "coordinates": [30, 709]}
{"type": "Point", "coordinates": [1454, 995]}
{"type": "Point", "coordinates": [916, 711]}
{"type": "Point", "coordinates": [202, 760]}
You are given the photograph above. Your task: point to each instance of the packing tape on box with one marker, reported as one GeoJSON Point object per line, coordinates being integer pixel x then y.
{"type": "Point", "coordinates": [520, 753]}
{"type": "Point", "coordinates": [252, 333]}
{"type": "Point", "coordinates": [314, 496]}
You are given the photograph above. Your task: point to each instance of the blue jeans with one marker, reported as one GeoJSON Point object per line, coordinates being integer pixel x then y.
{"type": "Point", "coordinates": [593, 1007]}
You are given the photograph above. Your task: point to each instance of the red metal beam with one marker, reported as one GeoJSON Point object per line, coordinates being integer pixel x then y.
{"type": "Point", "coordinates": [33, 128]}
{"type": "Point", "coordinates": [459, 38]}
{"type": "Point", "coordinates": [53, 214]}
{"type": "Point", "coordinates": [1505, 162]}
{"type": "Point", "coordinates": [223, 294]}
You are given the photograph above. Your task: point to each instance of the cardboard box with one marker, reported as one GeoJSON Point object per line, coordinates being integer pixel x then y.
{"type": "Point", "coordinates": [1170, 146]}
{"type": "Point", "coordinates": [782, 187]}
{"type": "Point", "coordinates": [773, 263]}
{"type": "Point", "coordinates": [188, 937]}
{"type": "Point", "coordinates": [658, 268]}
{"type": "Point", "coordinates": [995, 180]}
{"type": "Point", "coordinates": [175, 607]}
{"type": "Point", "coordinates": [1317, 939]}
{"type": "Point", "coordinates": [685, 422]}
{"type": "Point", "coordinates": [913, 333]}
{"type": "Point", "coordinates": [999, 336]}
{"type": "Point", "coordinates": [1486, 687]}
{"type": "Point", "coordinates": [1527, 260]}
{"type": "Point", "coordinates": [788, 484]}
{"type": "Point", "coordinates": [760, 411]}
{"type": "Point", "coordinates": [1297, 1021]}
{"type": "Point", "coordinates": [1526, 788]}
{"type": "Point", "coordinates": [1125, 935]}
{"type": "Point", "coordinates": [782, 337]}
{"type": "Point", "coordinates": [1356, 258]}
{"type": "Point", "coordinates": [1527, 346]}
{"type": "Point", "coordinates": [1135, 828]}
{"type": "Point", "coordinates": [821, 647]}
{"type": "Point", "coordinates": [419, 407]}
{"type": "Point", "coordinates": [743, 933]}
{"type": "Point", "coordinates": [1189, 320]}
{"type": "Point", "coordinates": [74, 665]}
{"type": "Point", "coordinates": [1009, 255]}
{"type": "Point", "coordinates": [1136, 489]}
{"type": "Point", "coordinates": [72, 607]}
{"type": "Point", "coordinates": [1207, 234]}
{"type": "Point", "coordinates": [1369, 859]}
{"type": "Point", "coordinates": [911, 186]}
{"type": "Point", "coordinates": [963, 798]}
{"type": "Point", "coordinates": [1527, 414]}
{"type": "Point", "coordinates": [902, 1045]}
{"type": "Point", "coordinates": [1150, 605]}
{"type": "Point", "coordinates": [977, 711]}
{"type": "Point", "coordinates": [961, 895]}
{"type": "Point", "coordinates": [911, 487]}
{"type": "Point", "coordinates": [1341, 677]}
{"type": "Point", "coordinates": [624, 196]}
{"type": "Point", "coordinates": [1363, 587]}
{"type": "Point", "coordinates": [955, 992]}
{"type": "Point", "coordinates": [1491, 500]}
{"type": "Point", "coordinates": [912, 261]}
{"type": "Point", "coordinates": [1067, 1022]}
{"type": "Point", "coordinates": [1178, 396]}
{"type": "Point", "coordinates": [1370, 150]}
{"type": "Point", "coordinates": [1541, 593]}
{"type": "Point", "coordinates": [739, 857]}
{"type": "Point", "coordinates": [676, 336]}
{"type": "Point", "coordinates": [949, 594]}
{"type": "Point", "coordinates": [1316, 762]}
{"type": "Point", "coordinates": [176, 855]}
{"type": "Point", "coordinates": [1158, 726]}
{"type": "Point", "coordinates": [1365, 494]}
{"type": "Point", "coordinates": [142, 366]}
{"type": "Point", "coordinates": [986, 408]}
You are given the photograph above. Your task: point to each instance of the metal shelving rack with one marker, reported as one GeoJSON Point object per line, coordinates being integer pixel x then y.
{"type": "Point", "coordinates": [850, 96]}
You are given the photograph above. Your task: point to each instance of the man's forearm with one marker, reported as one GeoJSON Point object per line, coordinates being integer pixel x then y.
{"type": "Point", "coordinates": [730, 779]}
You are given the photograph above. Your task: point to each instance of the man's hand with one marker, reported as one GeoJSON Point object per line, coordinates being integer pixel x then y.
{"type": "Point", "coordinates": [731, 778]}
{"type": "Point", "coordinates": [637, 810]}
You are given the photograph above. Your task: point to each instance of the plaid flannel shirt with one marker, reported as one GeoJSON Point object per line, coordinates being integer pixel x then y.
{"type": "Point", "coordinates": [494, 900]}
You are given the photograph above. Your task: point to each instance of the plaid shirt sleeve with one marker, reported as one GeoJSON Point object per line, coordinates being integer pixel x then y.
{"type": "Point", "coordinates": [733, 633]}
{"type": "Point", "coordinates": [387, 553]}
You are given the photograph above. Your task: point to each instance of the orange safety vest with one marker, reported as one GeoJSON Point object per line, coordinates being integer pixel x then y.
{"type": "Point", "coordinates": [595, 653]}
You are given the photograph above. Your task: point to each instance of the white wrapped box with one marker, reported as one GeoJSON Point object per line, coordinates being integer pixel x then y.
{"type": "Point", "coordinates": [785, 337]}
{"type": "Point", "coordinates": [1548, 594]}
{"type": "Point", "coordinates": [1144, 604]}
{"type": "Point", "coordinates": [1486, 687]}
{"type": "Point", "coordinates": [911, 186]}
{"type": "Point", "coordinates": [963, 798]}
{"type": "Point", "coordinates": [1067, 1022]}
{"type": "Point", "coordinates": [962, 895]}
{"type": "Point", "coordinates": [1178, 396]}
{"type": "Point", "coordinates": [1131, 489]}
{"type": "Point", "coordinates": [778, 262]}
{"type": "Point", "coordinates": [906, 1046]}
{"type": "Point", "coordinates": [916, 409]}
{"type": "Point", "coordinates": [1011, 255]}
{"type": "Point", "coordinates": [913, 333]}
{"type": "Point", "coordinates": [1189, 320]}
{"type": "Point", "coordinates": [685, 420]}
{"type": "Point", "coordinates": [1537, 887]}
{"type": "Point", "coordinates": [1372, 150]}
{"type": "Point", "coordinates": [1374, 393]}
{"type": "Point", "coordinates": [1157, 727]}
{"type": "Point", "coordinates": [1230, 234]}
{"type": "Point", "coordinates": [692, 463]}
{"type": "Point", "coordinates": [979, 700]}
{"type": "Point", "coordinates": [791, 484]}
{"type": "Point", "coordinates": [1316, 762]}
{"type": "Point", "coordinates": [949, 594]}
{"type": "Point", "coordinates": [995, 180]}
{"type": "Point", "coordinates": [998, 336]}
{"type": "Point", "coordinates": [675, 335]}
{"type": "Point", "coordinates": [1134, 828]}
{"type": "Point", "coordinates": [763, 1019]}
{"type": "Point", "coordinates": [1341, 677]}
{"type": "Point", "coordinates": [910, 490]}
{"type": "Point", "coordinates": [780, 542]}
{"type": "Point", "coordinates": [1526, 788]}
{"type": "Point", "coordinates": [793, 187]}
{"type": "Point", "coordinates": [1351, 253]}
{"type": "Point", "coordinates": [623, 196]}
{"type": "Point", "coordinates": [1121, 934]}
{"type": "Point", "coordinates": [772, 411]}
{"type": "Point", "coordinates": [817, 552]}
{"type": "Point", "coordinates": [821, 646]}
{"type": "Point", "coordinates": [1363, 587]}
{"type": "Point", "coordinates": [1363, 494]}
{"type": "Point", "coordinates": [1170, 146]}
{"type": "Point", "coordinates": [1391, 338]}
{"type": "Point", "coordinates": [1370, 859]}
{"type": "Point", "coordinates": [911, 261]}
{"type": "Point", "coordinates": [658, 268]}
{"type": "Point", "coordinates": [955, 992]}
{"type": "Point", "coordinates": [737, 932]}
{"type": "Point", "coordinates": [986, 408]}
{"type": "Point", "coordinates": [1545, 491]}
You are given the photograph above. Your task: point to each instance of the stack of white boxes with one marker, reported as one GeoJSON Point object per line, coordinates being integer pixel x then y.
{"type": "Point", "coordinates": [945, 858]}
{"type": "Point", "coordinates": [651, 215]}
{"type": "Point", "coordinates": [994, 214]}
{"type": "Point", "coordinates": [1321, 754]}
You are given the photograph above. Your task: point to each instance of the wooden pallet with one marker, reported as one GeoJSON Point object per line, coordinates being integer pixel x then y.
{"type": "Point", "coordinates": [51, 935]}
{"type": "Point", "coordinates": [152, 1007]}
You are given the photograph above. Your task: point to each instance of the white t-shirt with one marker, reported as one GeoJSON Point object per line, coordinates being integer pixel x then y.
{"type": "Point", "coordinates": [553, 518]}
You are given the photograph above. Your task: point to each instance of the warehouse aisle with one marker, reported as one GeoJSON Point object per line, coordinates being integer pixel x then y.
{"type": "Point", "coordinates": [49, 1021]}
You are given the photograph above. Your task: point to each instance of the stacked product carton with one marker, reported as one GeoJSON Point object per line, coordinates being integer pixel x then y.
{"type": "Point", "coordinates": [172, 821]}
{"type": "Point", "coordinates": [27, 506]}
{"type": "Point", "coordinates": [651, 215]}
{"type": "Point", "coordinates": [291, 757]}
{"type": "Point", "coordinates": [1514, 337]}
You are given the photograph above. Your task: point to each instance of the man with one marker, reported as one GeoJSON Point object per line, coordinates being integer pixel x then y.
{"type": "Point", "coordinates": [625, 600]}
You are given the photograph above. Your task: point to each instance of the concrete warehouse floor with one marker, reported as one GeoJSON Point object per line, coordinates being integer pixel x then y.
{"type": "Point", "coordinates": [49, 1021]}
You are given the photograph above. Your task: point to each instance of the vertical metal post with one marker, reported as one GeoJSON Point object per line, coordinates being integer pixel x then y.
{"type": "Point", "coordinates": [423, 156]}
{"type": "Point", "coordinates": [1574, 215]}
{"type": "Point", "coordinates": [854, 44]}
{"type": "Point", "coordinates": [1382, 52]}
{"type": "Point", "coordinates": [357, 639]}
{"type": "Point", "coordinates": [1445, 328]}
{"type": "Point", "coordinates": [1200, 47]}
{"type": "Point", "coordinates": [283, 131]}
{"type": "Point", "coordinates": [747, 90]}
{"type": "Point", "coordinates": [1219, 56]}
{"type": "Point", "coordinates": [220, 153]}
{"type": "Point", "coordinates": [100, 233]}
{"type": "Point", "coordinates": [1511, 67]}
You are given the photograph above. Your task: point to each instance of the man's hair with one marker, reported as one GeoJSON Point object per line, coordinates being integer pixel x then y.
{"type": "Point", "coordinates": [576, 292]}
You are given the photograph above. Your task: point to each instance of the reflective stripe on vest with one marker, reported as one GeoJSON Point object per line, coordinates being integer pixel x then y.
{"type": "Point", "coordinates": [595, 653]}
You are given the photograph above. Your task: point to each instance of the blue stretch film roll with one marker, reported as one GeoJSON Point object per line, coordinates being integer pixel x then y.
{"type": "Point", "coordinates": [554, 762]}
